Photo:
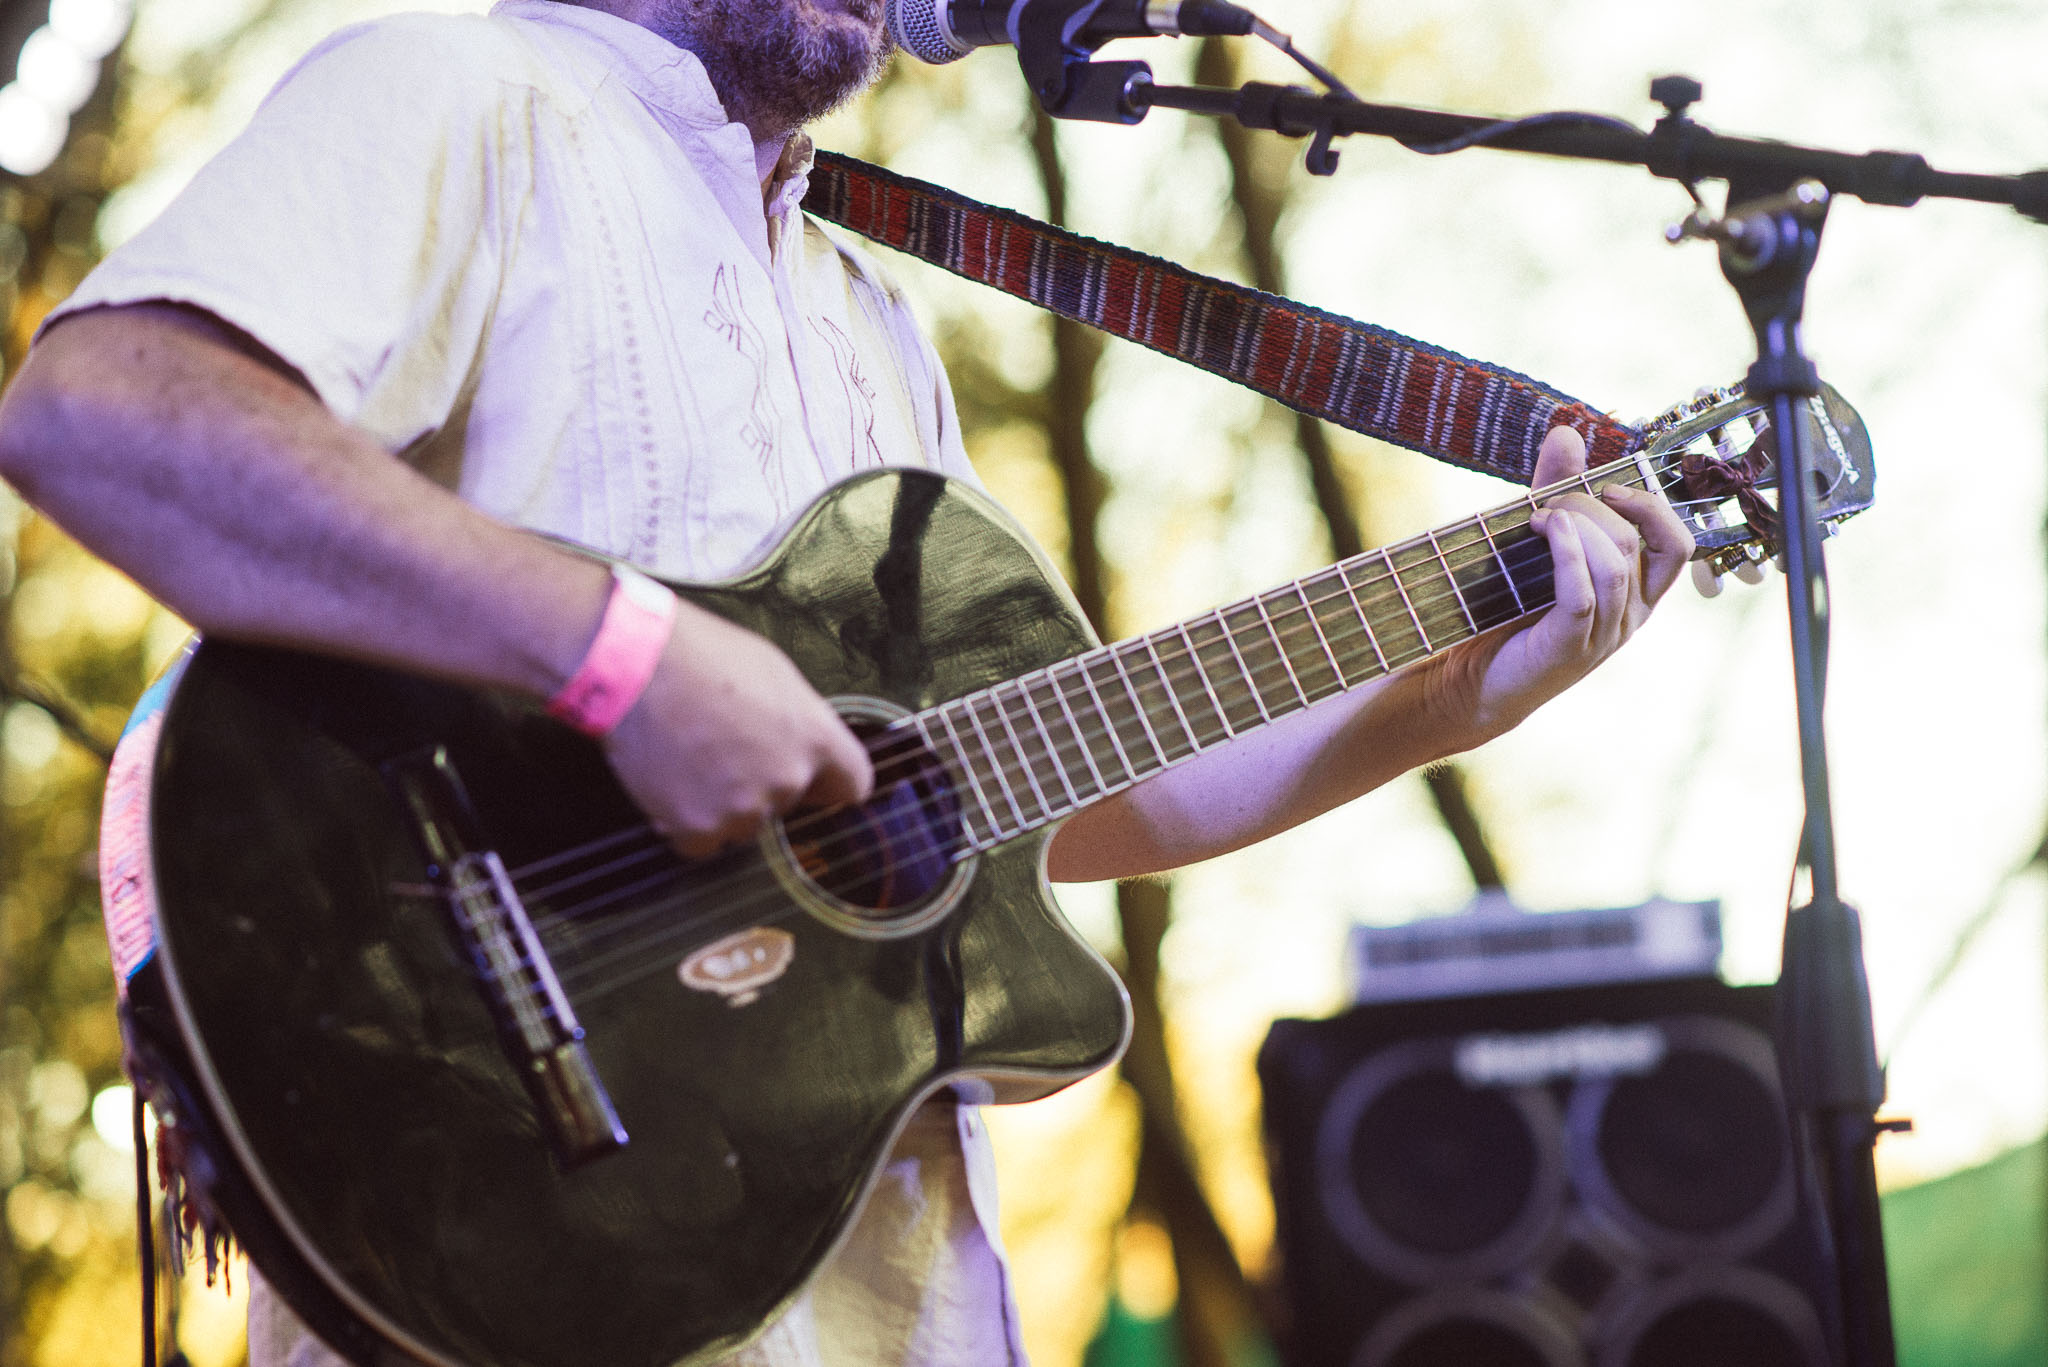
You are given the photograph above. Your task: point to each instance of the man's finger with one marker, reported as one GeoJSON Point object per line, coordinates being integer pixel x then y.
{"type": "Point", "coordinates": [1562, 455]}
{"type": "Point", "coordinates": [847, 775]}
{"type": "Point", "coordinates": [1667, 543]}
{"type": "Point", "coordinates": [1572, 595]}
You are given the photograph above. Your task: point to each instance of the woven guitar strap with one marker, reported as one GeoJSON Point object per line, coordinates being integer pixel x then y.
{"type": "Point", "coordinates": [1350, 373]}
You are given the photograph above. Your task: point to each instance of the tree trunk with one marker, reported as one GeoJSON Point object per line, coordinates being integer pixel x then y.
{"type": "Point", "coordinates": [1216, 1309]}
{"type": "Point", "coordinates": [1259, 202]}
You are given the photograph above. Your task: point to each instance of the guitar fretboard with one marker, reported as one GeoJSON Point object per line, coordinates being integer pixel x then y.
{"type": "Point", "coordinates": [1042, 746]}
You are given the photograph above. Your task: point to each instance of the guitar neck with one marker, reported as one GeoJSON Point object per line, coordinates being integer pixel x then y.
{"type": "Point", "coordinates": [1042, 746]}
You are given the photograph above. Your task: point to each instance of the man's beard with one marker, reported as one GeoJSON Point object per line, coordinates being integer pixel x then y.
{"type": "Point", "coordinates": [779, 64]}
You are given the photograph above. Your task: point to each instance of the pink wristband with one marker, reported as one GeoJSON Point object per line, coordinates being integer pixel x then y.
{"type": "Point", "coordinates": [622, 656]}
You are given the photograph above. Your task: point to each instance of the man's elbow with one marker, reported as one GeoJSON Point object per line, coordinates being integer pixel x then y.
{"type": "Point", "coordinates": [36, 414]}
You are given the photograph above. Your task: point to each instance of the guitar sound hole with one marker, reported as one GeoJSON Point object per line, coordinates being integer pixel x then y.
{"type": "Point", "coordinates": [893, 853]}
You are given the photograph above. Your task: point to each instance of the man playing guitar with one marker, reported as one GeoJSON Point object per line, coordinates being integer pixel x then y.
{"type": "Point", "coordinates": [470, 278]}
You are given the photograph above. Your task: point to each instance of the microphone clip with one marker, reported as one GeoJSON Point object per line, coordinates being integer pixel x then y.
{"type": "Point", "coordinates": [1056, 58]}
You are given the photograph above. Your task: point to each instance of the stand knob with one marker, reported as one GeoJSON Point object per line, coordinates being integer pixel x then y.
{"type": "Point", "coordinates": [1675, 93]}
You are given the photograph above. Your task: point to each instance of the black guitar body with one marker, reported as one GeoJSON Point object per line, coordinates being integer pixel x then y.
{"type": "Point", "coordinates": [371, 1138]}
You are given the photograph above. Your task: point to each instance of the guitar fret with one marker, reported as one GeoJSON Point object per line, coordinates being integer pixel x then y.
{"type": "Point", "coordinates": [1138, 704]}
{"type": "Point", "coordinates": [1394, 574]}
{"type": "Point", "coordinates": [1166, 682]}
{"type": "Point", "coordinates": [1202, 675]}
{"type": "Point", "coordinates": [1023, 755]}
{"type": "Point", "coordinates": [1315, 624]}
{"type": "Point", "coordinates": [1001, 780]}
{"type": "Point", "coordinates": [1108, 725]}
{"type": "Point", "coordinates": [1250, 683]}
{"type": "Point", "coordinates": [1494, 548]}
{"type": "Point", "coordinates": [953, 743]}
{"type": "Point", "coordinates": [1457, 592]}
{"type": "Point", "coordinates": [1280, 648]}
{"type": "Point", "coordinates": [1059, 694]}
{"type": "Point", "coordinates": [1317, 635]}
{"type": "Point", "coordinates": [1052, 749]}
{"type": "Point", "coordinates": [1004, 778]}
{"type": "Point", "coordinates": [1364, 621]}
{"type": "Point", "coordinates": [1222, 667]}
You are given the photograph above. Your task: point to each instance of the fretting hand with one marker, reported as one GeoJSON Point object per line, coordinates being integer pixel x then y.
{"type": "Point", "coordinates": [1613, 555]}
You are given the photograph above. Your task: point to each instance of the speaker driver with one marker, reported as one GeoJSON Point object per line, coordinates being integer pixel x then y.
{"type": "Point", "coordinates": [1467, 1327]}
{"type": "Point", "coordinates": [1712, 1317]}
{"type": "Point", "coordinates": [1431, 1179]}
{"type": "Point", "coordinates": [1689, 1159]}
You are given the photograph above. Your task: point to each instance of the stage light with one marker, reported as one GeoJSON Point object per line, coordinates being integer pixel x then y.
{"type": "Point", "coordinates": [93, 27]}
{"type": "Point", "coordinates": [31, 133]}
{"type": "Point", "coordinates": [57, 72]}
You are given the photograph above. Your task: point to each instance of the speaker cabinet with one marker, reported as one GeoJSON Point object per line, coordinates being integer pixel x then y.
{"type": "Point", "coordinates": [1585, 1177]}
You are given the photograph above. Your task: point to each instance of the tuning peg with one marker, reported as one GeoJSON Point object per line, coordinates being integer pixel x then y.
{"type": "Point", "coordinates": [1750, 572]}
{"type": "Point", "coordinates": [1706, 579]}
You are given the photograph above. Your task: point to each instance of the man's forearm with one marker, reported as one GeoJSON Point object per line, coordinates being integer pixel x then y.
{"type": "Point", "coordinates": [185, 456]}
{"type": "Point", "coordinates": [1262, 783]}
{"type": "Point", "coordinates": [1612, 556]}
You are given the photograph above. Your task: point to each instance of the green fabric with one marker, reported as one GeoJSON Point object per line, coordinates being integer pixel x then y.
{"type": "Point", "coordinates": [1126, 1340]}
{"type": "Point", "coordinates": [1968, 1255]}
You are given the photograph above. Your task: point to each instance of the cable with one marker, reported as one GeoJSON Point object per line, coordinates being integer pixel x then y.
{"type": "Point", "coordinates": [145, 1230]}
{"type": "Point", "coordinates": [1314, 68]}
{"type": "Point", "coordinates": [1495, 131]}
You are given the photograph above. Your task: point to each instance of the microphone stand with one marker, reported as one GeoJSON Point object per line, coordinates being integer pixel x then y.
{"type": "Point", "coordinates": [1778, 196]}
{"type": "Point", "coordinates": [1827, 1043]}
{"type": "Point", "coordinates": [1070, 86]}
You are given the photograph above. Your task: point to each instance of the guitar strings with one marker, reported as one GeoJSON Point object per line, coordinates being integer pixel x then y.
{"type": "Point", "coordinates": [1282, 626]}
{"type": "Point", "coordinates": [1193, 742]}
{"type": "Point", "coordinates": [588, 977]}
{"type": "Point", "coordinates": [1296, 620]}
{"type": "Point", "coordinates": [624, 941]}
{"type": "Point", "coordinates": [1292, 615]}
{"type": "Point", "coordinates": [897, 742]}
{"type": "Point", "coordinates": [1098, 654]}
{"type": "Point", "coordinates": [644, 953]}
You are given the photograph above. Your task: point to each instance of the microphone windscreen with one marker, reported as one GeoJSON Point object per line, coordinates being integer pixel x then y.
{"type": "Point", "coordinates": [917, 28]}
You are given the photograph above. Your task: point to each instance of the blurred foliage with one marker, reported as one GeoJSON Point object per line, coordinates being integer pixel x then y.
{"type": "Point", "coordinates": [77, 644]}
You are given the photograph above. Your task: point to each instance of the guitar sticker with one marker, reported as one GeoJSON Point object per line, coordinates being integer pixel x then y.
{"type": "Point", "coordinates": [738, 967]}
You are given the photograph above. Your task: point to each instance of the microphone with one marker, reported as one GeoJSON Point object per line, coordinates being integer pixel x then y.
{"type": "Point", "coordinates": [940, 31]}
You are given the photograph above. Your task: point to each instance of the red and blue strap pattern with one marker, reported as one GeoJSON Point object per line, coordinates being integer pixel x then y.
{"type": "Point", "coordinates": [1353, 374]}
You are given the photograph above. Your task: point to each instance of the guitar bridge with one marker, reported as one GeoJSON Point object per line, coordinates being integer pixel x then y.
{"type": "Point", "coordinates": [489, 922]}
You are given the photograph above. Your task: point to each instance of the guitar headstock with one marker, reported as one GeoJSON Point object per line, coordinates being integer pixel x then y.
{"type": "Point", "coordinates": [1717, 460]}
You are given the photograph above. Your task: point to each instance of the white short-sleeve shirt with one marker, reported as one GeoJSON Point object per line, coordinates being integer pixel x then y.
{"type": "Point", "coordinates": [528, 252]}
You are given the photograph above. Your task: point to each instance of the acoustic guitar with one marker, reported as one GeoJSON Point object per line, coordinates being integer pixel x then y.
{"type": "Point", "coordinates": [479, 1070]}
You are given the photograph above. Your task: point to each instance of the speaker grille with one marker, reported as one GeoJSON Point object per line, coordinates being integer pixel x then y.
{"type": "Point", "coordinates": [1691, 1160]}
{"type": "Point", "coordinates": [1430, 1179]}
{"type": "Point", "coordinates": [1713, 1316]}
{"type": "Point", "coordinates": [1470, 1327]}
{"type": "Point", "coordinates": [1579, 1177]}
{"type": "Point", "coordinates": [1442, 1167]}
